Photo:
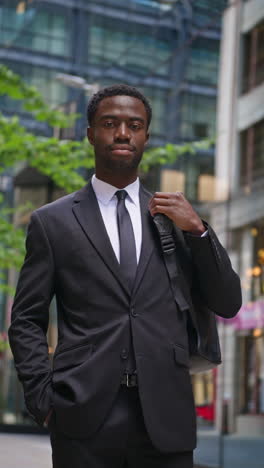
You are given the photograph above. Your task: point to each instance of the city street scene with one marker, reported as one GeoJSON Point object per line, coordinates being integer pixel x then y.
{"type": "Point", "coordinates": [93, 306]}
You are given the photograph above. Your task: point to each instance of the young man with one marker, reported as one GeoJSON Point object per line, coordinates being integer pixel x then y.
{"type": "Point", "coordinates": [119, 393]}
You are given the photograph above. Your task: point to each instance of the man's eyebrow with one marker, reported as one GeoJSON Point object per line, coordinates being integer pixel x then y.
{"type": "Point", "coordinates": [115, 117]}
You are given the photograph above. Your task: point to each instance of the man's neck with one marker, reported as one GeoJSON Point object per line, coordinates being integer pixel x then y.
{"type": "Point", "coordinates": [116, 180]}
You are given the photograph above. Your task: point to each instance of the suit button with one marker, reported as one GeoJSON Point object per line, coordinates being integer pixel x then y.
{"type": "Point", "coordinates": [124, 354]}
{"type": "Point", "coordinates": [133, 312]}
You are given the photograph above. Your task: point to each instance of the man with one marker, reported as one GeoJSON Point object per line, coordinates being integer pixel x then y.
{"type": "Point", "coordinates": [119, 392]}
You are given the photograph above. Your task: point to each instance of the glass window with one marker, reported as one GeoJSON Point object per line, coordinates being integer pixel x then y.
{"type": "Point", "coordinates": [198, 115]}
{"type": "Point", "coordinates": [157, 98]}
{"type": "Point", "coordinates": [35, 29]}
{"type": "Point", "coordinates": [161, 4]}
{"type": "Point", "coordinates": [203, 62]}
{"type": "Point", "coordinates": [252, 155]}
{"type": "Point", "coordinates": [53, 92]}
{"type": "Point", "coordinates": [206, 12]}
{"type": "Point", "coordinates": [191, 174]}
{"type": "Point", "coordinates": [129, 47]}
{"type": "Point", "coordinates": [251, 260]}
{"type": "Point", "coordinates": [154, 5]}
{"type": "Point", "coordinates": [251, 372]}
{"type": "Point", "coordinates": [253, 55]}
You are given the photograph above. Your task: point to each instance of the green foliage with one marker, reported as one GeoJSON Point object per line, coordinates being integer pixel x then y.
{"type": "Point", "coordinates": [12, 246]}
{"type": "Point", "coordinates": [169, 153]}
{"type": "Point", "coordinates": [58, 159]}
{"type": "Point", "coordinates": [13, 86]}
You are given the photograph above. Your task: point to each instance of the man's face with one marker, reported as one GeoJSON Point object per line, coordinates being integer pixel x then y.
{"type": "Point", "coordinates": [118, 134]}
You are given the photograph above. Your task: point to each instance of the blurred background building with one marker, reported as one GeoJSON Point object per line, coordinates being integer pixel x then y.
{"type": "Point", "coordinates": [238, 215]}
{"type": "Point", "coordinates": [171, 51]}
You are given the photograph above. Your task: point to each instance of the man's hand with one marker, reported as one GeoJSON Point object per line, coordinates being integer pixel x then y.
{"type": "Point", "coordinates": [46, 422]}
{"type": "Point", "coordinates": [178, 209]}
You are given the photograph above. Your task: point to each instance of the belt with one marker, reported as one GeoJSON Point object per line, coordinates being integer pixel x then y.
{"type": "Point", "coordinates": [129, 380]}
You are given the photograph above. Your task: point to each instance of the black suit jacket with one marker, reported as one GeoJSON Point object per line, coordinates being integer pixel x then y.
{"type": "Point", "coordinates": [69, 255]}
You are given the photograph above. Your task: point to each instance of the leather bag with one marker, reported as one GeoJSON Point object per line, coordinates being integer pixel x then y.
{"type": "Point", "coordinates": [204, 346]}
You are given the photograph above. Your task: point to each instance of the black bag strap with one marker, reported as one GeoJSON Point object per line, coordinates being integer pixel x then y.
{"type": "Point", "coordinates": [164, 226]}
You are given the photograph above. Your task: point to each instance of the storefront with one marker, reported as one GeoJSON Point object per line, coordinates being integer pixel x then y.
{"type": "Point", "coordinates": [250, 334]}
{"type": "Point", "coordinates": [204, 387]}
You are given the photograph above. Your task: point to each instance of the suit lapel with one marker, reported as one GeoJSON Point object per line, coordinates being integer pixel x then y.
{"type": "Point", "coordinates": [87, 212]}
{"type": "Point", "coordinates": [147, 237]}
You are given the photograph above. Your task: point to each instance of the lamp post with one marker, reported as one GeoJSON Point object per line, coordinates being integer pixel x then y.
{"type": "Point", "coordinates": [78, 82]}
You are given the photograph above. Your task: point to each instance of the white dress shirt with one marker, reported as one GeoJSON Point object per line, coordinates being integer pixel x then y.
{"type": "Point", "coordinates": [107, 201]}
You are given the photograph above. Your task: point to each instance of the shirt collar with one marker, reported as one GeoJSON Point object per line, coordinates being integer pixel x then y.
{"type": "Point", "coordinates": [105, 192]}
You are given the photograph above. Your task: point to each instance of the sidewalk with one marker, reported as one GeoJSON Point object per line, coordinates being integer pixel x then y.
{"type": "Point", "coordinates": [230, 451]}
{"type": "Point", "coordinates": [33, 451]}
{"type": "Point", "coordinates": [24, 451]}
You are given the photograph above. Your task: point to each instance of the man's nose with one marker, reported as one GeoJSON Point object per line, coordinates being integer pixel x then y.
{"type": "Point", "coordinates": [122, 132]}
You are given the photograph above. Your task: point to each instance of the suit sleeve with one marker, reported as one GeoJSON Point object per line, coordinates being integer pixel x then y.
{"type": "Point", "coordinates": [218, 284]}
{"type": "Point", "coordinates": [30, 318]}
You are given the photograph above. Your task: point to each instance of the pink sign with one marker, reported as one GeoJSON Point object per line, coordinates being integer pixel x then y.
{"type": "Point", "coordinates": [250, 316]}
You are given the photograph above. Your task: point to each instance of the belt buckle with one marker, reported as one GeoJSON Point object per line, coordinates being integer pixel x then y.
{"type": "Point", "coordinates": [129, 380]}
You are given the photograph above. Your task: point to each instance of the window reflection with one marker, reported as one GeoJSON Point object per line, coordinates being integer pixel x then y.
{"type": "Point", "coordinates": [34, 29]}
{"type": "Point", "coordinates": [203, 62]}
{"type": "Point", "coordinates": [53, 92]}
{"type": "Point", "coordinates": [198, 116]}
{"type": "Point", "coordinates": [109, 44]}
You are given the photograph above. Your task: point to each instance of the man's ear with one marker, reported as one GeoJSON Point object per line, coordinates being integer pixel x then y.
{"type": "Point", "coordinates": [147, 139]}
{"type": "Point", "coordinates": [90, 135]}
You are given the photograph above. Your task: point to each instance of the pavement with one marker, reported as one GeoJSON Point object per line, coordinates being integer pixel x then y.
{"type": "Point", "coordinates": [25, 451]}
{"type": "Point", "coordinates": [33, 451]}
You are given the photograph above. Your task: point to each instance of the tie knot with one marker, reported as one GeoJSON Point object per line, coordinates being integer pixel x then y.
{"type": "Point", "coordinates": [121, 194]}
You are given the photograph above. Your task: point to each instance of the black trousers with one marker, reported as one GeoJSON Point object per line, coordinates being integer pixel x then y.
{"type": "Point", "coordinates": [121, 442]}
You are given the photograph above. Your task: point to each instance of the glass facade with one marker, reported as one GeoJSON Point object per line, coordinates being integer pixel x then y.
{"type": "Point", "coordinates": [34, 28]}
{"type": "Point", "coordinates": [54, 92]}
{"type": "Point", "coordinates": [251, 372]}
{"type": "Point", "coordinates": [135, 49]}
{"type": "Point", "coordinates": [158, 98]}
{"type": "Point", "coordinates": [161, 4]}
{"type": "Point", "coordinates": [151, 5]}
{"type": "Point", "coordinates": [193, 175]}
{"type": "Point", "coordinates": [203, 62]}
{"type": "Point", "coordinates": [248, 243]}
{"type": "Point", "coordinates": [206, 12]}
{"type": "Point", "coordinates": [254, 274]}
{"type": "Point", "coordinates": [198, 114]}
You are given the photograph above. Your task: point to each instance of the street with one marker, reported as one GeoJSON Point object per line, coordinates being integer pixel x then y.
{"type": "Point", "coordinates": [25, 451]}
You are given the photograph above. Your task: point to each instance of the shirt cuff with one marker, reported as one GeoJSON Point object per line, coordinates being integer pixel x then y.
{"type": "Point", "coordinates": [204, 234]}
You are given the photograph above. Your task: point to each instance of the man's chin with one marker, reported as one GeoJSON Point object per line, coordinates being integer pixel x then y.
{"type": "Point", "coordinates": [123, 165]}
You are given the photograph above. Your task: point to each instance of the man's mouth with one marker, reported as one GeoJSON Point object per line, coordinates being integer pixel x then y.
{"type": "Point", "coordinates": [122, 150]}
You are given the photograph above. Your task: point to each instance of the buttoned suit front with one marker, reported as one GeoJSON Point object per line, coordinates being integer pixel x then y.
{"type": "Point", "coordinates": [69, 255]}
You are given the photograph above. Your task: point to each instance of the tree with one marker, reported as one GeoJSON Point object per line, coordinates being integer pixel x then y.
{"type": "Point", "coordinates": [61, 160]}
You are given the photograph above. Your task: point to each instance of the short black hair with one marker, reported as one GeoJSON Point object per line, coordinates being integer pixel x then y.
{"type": "Point", "coordinates": [116, 90]}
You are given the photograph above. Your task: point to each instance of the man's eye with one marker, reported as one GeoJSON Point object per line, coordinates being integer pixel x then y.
{"type": "Point", "coordinates": [108, 124]}
{"type": "Point", "coordinates": [135, 126]}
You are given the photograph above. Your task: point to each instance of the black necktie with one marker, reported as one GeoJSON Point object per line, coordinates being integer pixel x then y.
{"type": "Point", "coordinates": [128, 254]}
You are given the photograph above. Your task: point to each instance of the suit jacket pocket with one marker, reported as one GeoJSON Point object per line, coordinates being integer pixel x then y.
{"type": "Point", "coordinates": [72, 356]}
{"type": "Point", "coordinates": [181, 356]}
